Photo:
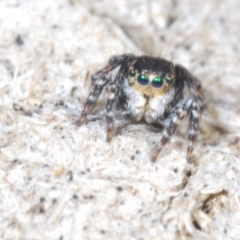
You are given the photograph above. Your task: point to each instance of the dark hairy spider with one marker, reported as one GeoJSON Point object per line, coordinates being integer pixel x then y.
{"type": "Point", "coordinates": [150, 89]}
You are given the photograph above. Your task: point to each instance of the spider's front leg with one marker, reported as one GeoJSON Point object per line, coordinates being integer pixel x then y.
{"type": "Point", "coordinates": [180, 112]}
{"type": "Point", "coordinates": [99, 80]}
{"type": "Point", "coordinates": [92, 98]}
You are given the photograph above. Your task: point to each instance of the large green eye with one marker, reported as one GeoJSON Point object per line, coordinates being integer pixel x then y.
{"type": "Point", "coordinates": [143, 79]}
{"type": "Point", "coordinates": [157, 82]}
{"type": "Point", "coordinates": [131, 73]}
{"type": "Point", "coordinates": [169, 80]}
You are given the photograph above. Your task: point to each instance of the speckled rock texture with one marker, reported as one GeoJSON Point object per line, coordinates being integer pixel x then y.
{"type": "Point", "coordinates": [60, 181]}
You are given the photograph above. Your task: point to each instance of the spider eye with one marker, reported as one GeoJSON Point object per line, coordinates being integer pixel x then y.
{"type": "Point", "coordinates": [169, 80]}
{"type": "Point", "coordinates": [143, 79]}
{"type": "Point", "coordinates": [131, 73]}
{"type": "Point", "coordinates": [157, 82]}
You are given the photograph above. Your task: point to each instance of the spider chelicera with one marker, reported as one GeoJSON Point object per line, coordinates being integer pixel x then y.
{"type": "Point", "coordinates": [150, 89]}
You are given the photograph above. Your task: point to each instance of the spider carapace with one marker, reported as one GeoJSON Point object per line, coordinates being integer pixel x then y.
{"type": "Point", "coordinates": [151, 89]}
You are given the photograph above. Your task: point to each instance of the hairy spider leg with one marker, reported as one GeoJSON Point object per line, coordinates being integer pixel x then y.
{"type": "Point", "coordinates": [193, 84]}
{"type": "Point", "coordinates": [111, 91]}
{"type": "Point", "coordinates": [195, 114]}
{"type": "Point", "coordinates": [192, 130]}
{"type": "Point", "coordinates": [198, 97]}
{"type": "Point", "coordinates": [194, 107]}
{"type": "Point", "coordinates": [99, 81]}
{"type": "Point", "coordinates": [179, 112]}
{"type": "Point", "coordinates": [97, 88]}
{"type": "Point", "coordinates": [196, 110]}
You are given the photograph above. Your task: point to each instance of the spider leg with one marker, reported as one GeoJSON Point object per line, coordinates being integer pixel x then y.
{"type": "Point", "coordinates": [111, 89]}
{"type": "Point", "coordinates": [197, 107]}
{"type": "Point", "coordinates": [97, 88]}
{"type": "Point", "coordinates": [192, 130]}
{"type": "Point", "coordinates": [180, 112]}
{"type": "Point", "coordinates": [99, 80]}
{"type": "Point", "coordinates": [193, 106]}
{"type": "Point", "coordinates": [193, 84]}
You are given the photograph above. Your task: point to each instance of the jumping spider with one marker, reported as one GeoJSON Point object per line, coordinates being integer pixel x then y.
{"type": "Point", "coordinates": [150, 89]}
